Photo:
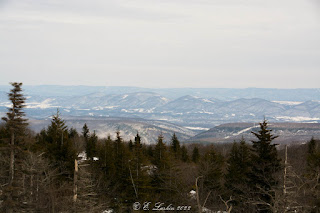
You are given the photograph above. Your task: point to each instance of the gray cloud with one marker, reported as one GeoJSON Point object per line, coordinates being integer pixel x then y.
{"type": "Point", "coordinates": [186, 43]}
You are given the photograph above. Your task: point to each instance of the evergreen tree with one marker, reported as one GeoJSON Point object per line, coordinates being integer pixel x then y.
{"type": "Point", "coordinates": [265, 164]}
{"type": "Point", "coordinates": [57, 144]}
{"type": "Point", "coordinates": [211, 169]}
{"type": "Point", "coordinates": [121, 163]}
{"type": "Point", "coordinates": [107, 157]}
{"type": "Point", "coordinates": [141, 180]}
{"type": "Point", "coordinates": [73, 133]}
{"type": "Point", "coordinates": [86, 136]}
{"type": "Point", "coordinates": [15, 124]}
{"type": "Point", "coordinates": [175, 146]}
{"type": "Point", "coordinates": [237, 177]}
{"type": "Point", "coordinates": [313, 157]}
{"type": "Point", "coordinates": [195, 155]}
{"type": "Point", "coordinates": [313, 172]}
{"type": "Point", "coordinates": [184, 154]}
{"type": "Point", "coordinates": [161, 175]}
{"type": "Point", "coordinates": [85, 131]}
{"type": "Point", "coordinates": [130, 146]}
{"type": "Point", "coordinates": [57, 132]}
{"type": "Point", "coordinates": [91, 145]}
{"type": "Point", "coordinates": [160, 154]}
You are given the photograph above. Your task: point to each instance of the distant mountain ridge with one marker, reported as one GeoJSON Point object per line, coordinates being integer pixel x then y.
{"type": "Point", "coordinates": [289, 133]}
{"type": "Point", "coordinates": [193, 110]}
{"type": "Point", "coordinates": [224, 94]}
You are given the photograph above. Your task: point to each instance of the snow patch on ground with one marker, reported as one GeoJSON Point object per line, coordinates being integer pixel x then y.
{"type": "Point", "coordinates": [242, 131]}
{"type": "Point", "coordinates": [110, 107]}
{"type": "Point", "coordinates": [196, 128]}
{"type": "Point", "coordinates": [297, 118]}
{"type": "Point", "coordinates": [108, 211]}
{"type": "Point", "coordinates": [289, 103]}
{"type": "Point", "coordinates": [42, 105]}
{"type": "Point", "coordinates": [98, 108]}
{"type": "Point", "coordinates": [208, 101]}
{"type": "Point", "coordinates": [205, 112]}
{"type": "Point", "coordinates": [193, 194]}
{"type": "Point", "coordinates": [164, 99]}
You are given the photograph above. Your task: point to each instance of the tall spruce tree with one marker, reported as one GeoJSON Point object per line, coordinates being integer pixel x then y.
{"type": "Point", "coordinates": [211, 169]}
{"type": "Point", "coordinates": [85, 131]}
{"type": "Point", "coordinates": [175, 146]}
{"type": "Point", "coordinates": [15, 124]}
{"type": "Point", "coordinates": [238, 171]}
{"type": "Point", "coordinates": [161, 175]}
{"type": "Point", "coordinates": [160, 154]}
{"type": "Point", "coordinates": [91, 145]}
{"type": "Point", "coordinates": [265, 164]}
{"type": "Point", "coordinates": [140, 178]}
{"type": "Point", "coordinates": [195, 155]}
{"type": "Point", "coordinates": [313, 172]}
{"type": "Point", "coordinates": [57, 144]}
{"type": "Point", "coordinates": [313, 157]}
{"type": "Point", "coordinates": [184, 154]}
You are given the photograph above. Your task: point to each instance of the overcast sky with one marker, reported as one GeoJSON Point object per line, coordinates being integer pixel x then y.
{"type": "Point", "coordinates": [161, 43]}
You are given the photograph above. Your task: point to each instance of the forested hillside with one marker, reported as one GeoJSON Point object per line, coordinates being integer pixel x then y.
{"type": "Point", "coordinates": [60, 169]}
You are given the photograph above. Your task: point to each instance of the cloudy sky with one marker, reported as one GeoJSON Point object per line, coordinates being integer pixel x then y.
{"type": "Point", "coordinates": [161, 43]}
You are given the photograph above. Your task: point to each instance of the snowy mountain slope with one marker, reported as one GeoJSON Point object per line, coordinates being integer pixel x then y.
{"type": "Point", "coordinates": [192, 111]}
{"type": "Point", "coordinates": [287, 132]}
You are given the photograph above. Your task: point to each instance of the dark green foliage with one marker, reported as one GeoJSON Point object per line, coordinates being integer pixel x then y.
{"type": "Point", "coordinates": [150, 151]}
{"type": "Point", "coordinates": [91, 145]}
{"type": "Point", "coordinates": [211, 173]}
{"type": "Point", "coordinates": [90, 141]}
{"type": "Point", "coordinates": [140, 178]}
{"type": "Point", "coordinates": [14, 121]}
{"type": "Point", "coordinates": [195, 155]}
{"type": "Point", "coordinates": [107, 157]}
{"type": "Point", "coordinates": [120, 156]}
{"type": "Point", "coordinates": [313, 172]}
{"type": "Point", "coordinates": [13, 149]}
{"type": "Point", "coordinates": [160, 155]}
{"type": "Point", "coordinates": [211, 169]}
{"type": "Point", "coordinates": [313, 156]}
{"type": "Point", "coordinates": [85, 131]}
{"type": "Point", "coordinates": [4, 135]}
{"type": "Point", "coordinates": [184, 154]}
{"type": "Point", "coordinates": [265, 164]}
{"type": "Point", "coordinates": [57, 145]}
{"type": "Point", "coordinates": [121, 162]}
{"type": "Point", "coordinates": [161, 174]}
{"type": "Point", "coordinates": [73, 133]}
{"type": "Point", "coordinates": [175, 146]}
{"type": "Point", "coordinates": [238, 171]}
{"type": "Point", "coordinates": [130, 146]}
{"type": "Point", "coordinates": [45, 179]}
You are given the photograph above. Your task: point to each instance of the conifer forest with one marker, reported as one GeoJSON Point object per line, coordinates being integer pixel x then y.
{"type": "Point", "coordinates": [60, 169]}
